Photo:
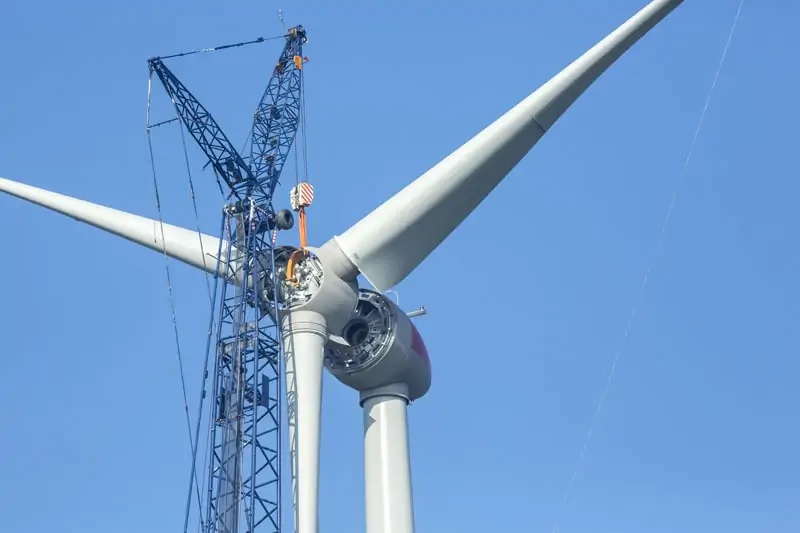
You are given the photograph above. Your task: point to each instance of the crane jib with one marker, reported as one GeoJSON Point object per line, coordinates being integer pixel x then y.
{"type": "Point", "coordinates": [275, 123]}
{"type": "Point", "coordinates": [244, 450]}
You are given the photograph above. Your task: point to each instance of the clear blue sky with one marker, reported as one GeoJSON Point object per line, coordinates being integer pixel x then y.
{"type": "Point", "coordinates": [700, 429]}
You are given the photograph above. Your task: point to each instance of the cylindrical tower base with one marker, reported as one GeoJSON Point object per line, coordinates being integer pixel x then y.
{"type": "Point", "coordinates": [304, 334]}
{"type": "Point", "coordinates": [389, 506]}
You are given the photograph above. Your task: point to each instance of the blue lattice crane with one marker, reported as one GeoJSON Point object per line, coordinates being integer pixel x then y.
{"type": "Point", "coordinates": [244, 461]}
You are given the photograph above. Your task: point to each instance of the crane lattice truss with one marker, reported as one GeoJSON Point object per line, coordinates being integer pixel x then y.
{"type": "Point", "coordinates": [244, 473]}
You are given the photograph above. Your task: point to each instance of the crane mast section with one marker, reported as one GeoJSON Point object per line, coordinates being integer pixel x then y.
{"type": "Point", "coordinates": [245, 440]}
{"type": "Point", "coordinates": [277, 117]}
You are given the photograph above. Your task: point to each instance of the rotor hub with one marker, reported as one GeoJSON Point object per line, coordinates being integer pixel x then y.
{"type": "Point", "coordinates": [299, 288]}
{"type": "Point", "coordinates": [367, 335]}
{"type": "Point", "coordinates": [308, 280]}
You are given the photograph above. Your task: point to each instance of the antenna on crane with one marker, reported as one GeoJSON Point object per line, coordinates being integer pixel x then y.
{"type": "Point", "coordinates": [280, 19]}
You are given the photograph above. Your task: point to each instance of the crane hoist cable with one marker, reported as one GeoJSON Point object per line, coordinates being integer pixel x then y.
{"type": "Point", "coordinates": [302, 194]}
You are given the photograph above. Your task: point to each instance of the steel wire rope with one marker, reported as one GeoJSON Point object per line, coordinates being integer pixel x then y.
{"type": "Point", "coordinates": [304, 127]}
{"type": "Point", "coordinates": [194, 206]}
{"type": "Point", "coordinates": [296, 167]}
{"type": "Point", "coordinates": [169, 277]}
{"type": "Point", "coordinates": [203, 380]}
{"type": "Point", "coordinates": [660, 239]}
{"type": "Point", "coordinates": [222, 47]}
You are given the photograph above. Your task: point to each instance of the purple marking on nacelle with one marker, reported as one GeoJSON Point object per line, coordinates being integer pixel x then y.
{"type": "Point", "coordinates": [418, 345]}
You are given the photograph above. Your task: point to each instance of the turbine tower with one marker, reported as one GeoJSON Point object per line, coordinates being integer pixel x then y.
{"type": "Point", "coordinates": [358, 334]}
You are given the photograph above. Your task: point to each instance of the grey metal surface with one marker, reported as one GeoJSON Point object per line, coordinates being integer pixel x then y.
{"type": "Point", "coordinates": [379, 346]}
{"type": "Point", "coordinates": [304, 335]}
{"type": "Point", "coordinates": [389, 501]}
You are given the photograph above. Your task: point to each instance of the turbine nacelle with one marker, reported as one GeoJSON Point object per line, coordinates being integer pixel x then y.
{"type": "Point", "coordinates": [379, 346]}
{"type": "Point", "coordinates": [371, 342]}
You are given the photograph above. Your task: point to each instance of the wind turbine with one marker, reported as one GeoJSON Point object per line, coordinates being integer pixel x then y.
{"type": "Point", "coordinates": [360, 335]}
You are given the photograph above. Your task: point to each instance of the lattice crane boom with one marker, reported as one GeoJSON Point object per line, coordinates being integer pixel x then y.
{"type": "Point", "coordinates": [277, 116]}
{"type": "Point", "coordinates": [224, 158]}
{"type": "Point", "coordinates": [244, 462]}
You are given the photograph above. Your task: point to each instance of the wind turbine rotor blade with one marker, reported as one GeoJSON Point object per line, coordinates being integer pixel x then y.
{"type": "Point", "coordinates": [305, 335]}
{"type": "Point", "coordinates": [389, 243]}
{"type": "Point", "coordinates": [179, 243]}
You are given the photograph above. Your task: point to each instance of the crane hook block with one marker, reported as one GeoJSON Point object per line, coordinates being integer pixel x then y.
{"type": "Point", "coordinates": [301, 195]}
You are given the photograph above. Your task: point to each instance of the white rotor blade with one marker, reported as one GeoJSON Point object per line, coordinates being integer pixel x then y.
{"type": "Point", "coordinates": [304, 334]}
{"type": "Point", "coordinates": [179, 243]}
{"type": "Point", "coordinates": [395, 238]}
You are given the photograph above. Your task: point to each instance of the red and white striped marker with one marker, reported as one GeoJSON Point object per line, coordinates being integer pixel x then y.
{"type": "Point", "coordinates": [301, 195]}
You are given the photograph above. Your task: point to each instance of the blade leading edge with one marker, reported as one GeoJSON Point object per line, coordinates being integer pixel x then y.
{"type": "Point", "coordinates": [179, 243]}
{"type": "Point", "coordinates": [389, 243]}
